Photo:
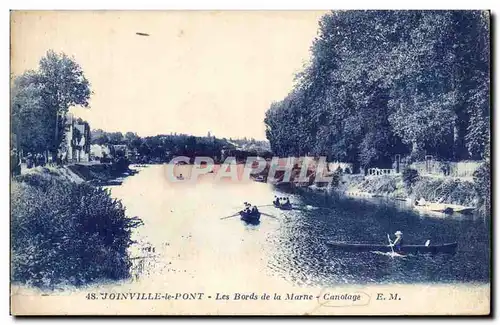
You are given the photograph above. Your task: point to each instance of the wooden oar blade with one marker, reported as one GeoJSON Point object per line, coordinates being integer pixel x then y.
{"type": "Point", "coordinates": [233, 215]}
{"type": "Point", "coordinates": [268, 215]}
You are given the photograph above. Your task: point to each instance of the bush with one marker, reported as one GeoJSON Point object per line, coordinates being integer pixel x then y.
{"type": "Point", "coordinates": [67, 233]}
{"type": "Point", "coordinates": [120, 165]}
{"type": "Point", "coordinates": [335, 179]}
{"type": "Point", "coordinates": [482, 186]}
{"type": "Point", "coordinates": [410, 177]}
{"type": "Point", "coordinates": [445, 191]}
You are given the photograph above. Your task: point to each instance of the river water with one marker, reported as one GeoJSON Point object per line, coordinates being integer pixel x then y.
{"type": "Point", "coordinates": [185, 241]}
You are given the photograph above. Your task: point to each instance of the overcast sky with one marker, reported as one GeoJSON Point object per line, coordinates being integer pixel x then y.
{"type": "Point", "coordinates": [196, 72]}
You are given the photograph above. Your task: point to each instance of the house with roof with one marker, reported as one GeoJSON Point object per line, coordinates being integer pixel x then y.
{"type": "Point", "coordinates": [77, 140]}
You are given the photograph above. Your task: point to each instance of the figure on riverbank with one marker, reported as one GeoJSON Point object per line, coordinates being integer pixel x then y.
{"type": "Point", "coordinates": [29, 160]}
{"type": "Point", "coordinates": [39, 160]}
{"type": "Point", "coordinates": [15, 163]}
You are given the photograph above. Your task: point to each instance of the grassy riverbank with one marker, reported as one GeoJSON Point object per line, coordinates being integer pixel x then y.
{"type": "Point", "coordinates": [65, 231]}
{"type": "Point", "coordinates": [442, 190]}
{"type": "Point", "coordinates": [102, 174]}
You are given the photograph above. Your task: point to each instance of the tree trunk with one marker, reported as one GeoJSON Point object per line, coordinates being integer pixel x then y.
{"type": "Point", "coordinates": [56, 137]}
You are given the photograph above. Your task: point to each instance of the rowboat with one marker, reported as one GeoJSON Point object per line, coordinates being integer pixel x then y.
{"type": "Point", "coordinates": [445, 208]}
{"type": "Point", "coordinates": [283, 206]}
{"type": "Point", "coordinates": [250, 217]}
{"type": "Point", "coordinates": [449, 248]}
{"type": "Point", "coordinates": [260, 178]}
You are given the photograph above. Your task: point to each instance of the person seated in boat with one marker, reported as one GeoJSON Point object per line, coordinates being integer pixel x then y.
{"type": "Point", "coordinates": [247, 207]}
{"type": "Point", "coordinates": [255, 210]}
{"type": "Point", "coordinates": [276, 200]}
{"type": "Point", "coordinates": [398, 242]}
{"type": "Point", "coordinates": [287, 202]}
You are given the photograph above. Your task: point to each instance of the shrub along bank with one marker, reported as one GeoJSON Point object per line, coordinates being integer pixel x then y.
{"type": "Point", "coordinates": [443, 190]}
{"type": "Point", "coordinates": [65, 233]}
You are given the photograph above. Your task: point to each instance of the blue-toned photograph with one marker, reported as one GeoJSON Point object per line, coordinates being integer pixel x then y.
{"type": "Point", "coordinates": [250, 162]}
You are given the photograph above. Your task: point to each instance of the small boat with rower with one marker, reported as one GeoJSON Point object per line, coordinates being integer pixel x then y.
{"type": "Point", "coordinates": [449, 248]}
{"type": "Point", "coordinates": [282, 203]}
{"type": "Point", "coordinates": [260, 178]}
{"type": "Point", "coordinates": [284, 206]}
{"type": "Point", "coordinates": [251, 217]}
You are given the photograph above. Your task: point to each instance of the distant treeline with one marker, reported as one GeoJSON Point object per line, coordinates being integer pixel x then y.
{"type": "Point", "coordinates": [162, 148]}
{"type": "Point", "coordinates": [381, 83]}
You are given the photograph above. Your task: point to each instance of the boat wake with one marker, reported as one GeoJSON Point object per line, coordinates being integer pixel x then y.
{"type": "Point", "coordinates": [391, 254]}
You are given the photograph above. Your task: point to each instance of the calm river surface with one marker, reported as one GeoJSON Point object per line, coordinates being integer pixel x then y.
{"type": "Point", "coordinates": [182, 222]}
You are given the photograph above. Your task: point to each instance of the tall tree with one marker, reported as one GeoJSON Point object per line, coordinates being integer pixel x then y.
{"type": "Point", "coordinates": [381, 83]}
{"type": "Point", "coordinates": [31, 117]}
{"type": "Point", "coordinates": [64, 85]}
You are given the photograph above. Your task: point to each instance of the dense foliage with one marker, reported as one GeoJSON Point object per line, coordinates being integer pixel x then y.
{"type": "Point", "coordinates": [42, 97]}
{"type": "Point", "coordinates": [445, 190]}
{"type": "Point", "coordinates": [482, 182]}
{"type": "Point", "coordinates": [67, 233]}
{"type": "Point", "coordinates": [410, 177]}
{"type": "Point", "coordinates": [381, 83]}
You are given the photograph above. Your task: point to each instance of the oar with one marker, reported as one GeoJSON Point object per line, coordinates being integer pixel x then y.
{"type": "Point", "coordinates": [265, 214]}
{"type": "Point", "coordinates": [233, 215]}
{"type": "Point", "coordinates": [390, 244]}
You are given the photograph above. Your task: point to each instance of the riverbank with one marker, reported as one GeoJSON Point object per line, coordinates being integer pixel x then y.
{"type": "Point", "coordinates": [66, 232]}
{"type": "Point", "coordinates": [102, 174]}
{"type": "Point", "coordinates": [95, 174]}
{"type": "Point", "coordinates": [438, 194]}
{"type": "Point", "coordinates": [193, 250]}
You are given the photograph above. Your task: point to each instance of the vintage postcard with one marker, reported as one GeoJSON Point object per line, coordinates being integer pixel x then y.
{"type": "Point", "coordinates": [250, 162]}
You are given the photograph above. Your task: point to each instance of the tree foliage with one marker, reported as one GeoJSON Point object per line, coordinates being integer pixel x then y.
{"type": "Point", "coordinates": [410, 177]}
{"type": "Point", "coordinates": [162, 148]}
{"type": "Point", "coordinates": [42, 97]}
{"type": "Point", "coordinates": [381, 83]}
{"type": "Point", "coordinates": [32, 121]}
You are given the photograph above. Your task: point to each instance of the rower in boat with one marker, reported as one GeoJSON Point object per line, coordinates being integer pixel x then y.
{"type": "Point", "coordinates": [286, 205]}
{"type": "Point", "coordinates": [250, 214]}
{"type": "Point", "coordinates": [398, 242]}
{"type": "Point", "coordinates": [282, 203]}
{"type": "Point", "coordinates": [247, 207]}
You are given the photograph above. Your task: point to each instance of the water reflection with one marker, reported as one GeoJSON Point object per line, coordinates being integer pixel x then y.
{"type": "Point", "coordinates": [192, 243]}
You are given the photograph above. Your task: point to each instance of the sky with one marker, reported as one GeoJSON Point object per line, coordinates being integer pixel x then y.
{"type": "Point", "coordinates": [197, 72]}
